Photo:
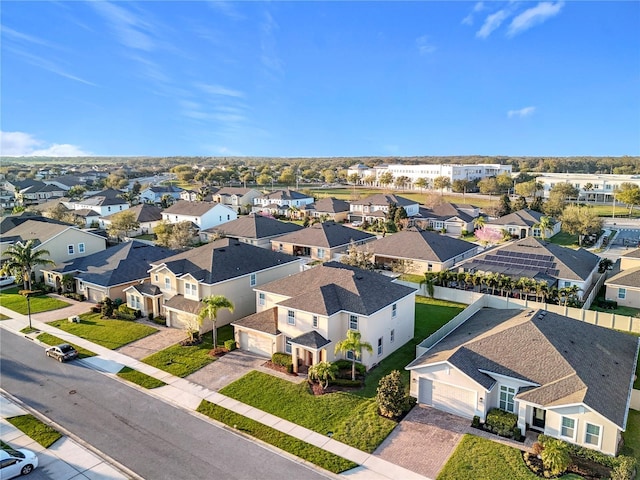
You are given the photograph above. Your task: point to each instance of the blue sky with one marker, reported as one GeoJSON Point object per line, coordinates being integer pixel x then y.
{"type": "Point", "coordinates": [320, 78]}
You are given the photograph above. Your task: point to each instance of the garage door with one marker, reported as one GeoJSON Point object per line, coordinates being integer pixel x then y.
{"type": "Point", "coordinates": [255, 343]}
{"type": "Point", "coordinates": [94, 295]}
{"type": "Point", "coordinates": [458, 401]}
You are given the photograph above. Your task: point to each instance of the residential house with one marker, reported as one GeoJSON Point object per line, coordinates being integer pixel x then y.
{"type": "Point", "coordinates": [321, 241]}
{"type": "Point", "coordinates": [103, 203]}
{"type": "Point", "coordinates": [419, 251]}
{"type": "Point", "coordinates": [147, 215]}
{"type": "Point", "coordinates": [202, 214]}
{"type": "Point", "coordinates": [281, 202]}
{"type": "Point", "coordinates": [254, 229]}
{"type": "Point", "coordinates": [375, 207]}
{"type": "Point", "coordinates": [624, 286]}
{"type": "Point", "coordinates": [562, 377]}
{"type": "Point", "coordinates": [530, 257]}
{"type": "Point", "coordinates": [307, 314]}
{"type": "Point", "coordinates": [109, 272]}
{"type": "Point", "coordinates": [239, 198]}
{"type": "Point", "coordinates": [154, 193]}
{"type": "Point", "coordinates": [33, 192]}
{"type": "Point", "coordinates": [224, 267]}
{"type": "Point", "coordinates": [450, 218]}
{"type": "Point", "coordinates": [194, 195]}
{"type": "Point", "coordinates": [328, 208]}
{"type": "Point", "coordinates": [65, 182]}
{"type": "Point", "coordinates": [524, 223]}
{"type": "Point", "coordinates": [63, 241]}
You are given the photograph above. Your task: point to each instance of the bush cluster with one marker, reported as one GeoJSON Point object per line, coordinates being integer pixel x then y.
{"type": "Point", "coordinates": [283, 360]}
{"type": "Point", "coordinates": [344, 369]}
{"type": "Point", "coordinates": [76, 296]}
{"type": "Point", "coordinates": [502, 423]}
{"type": "Point", "coordinates": [230, 345]}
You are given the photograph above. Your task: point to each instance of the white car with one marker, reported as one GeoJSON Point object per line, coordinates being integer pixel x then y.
{"type": "Point", "coordinates": [16, 462]}
{"type": "Point", "coordinates": [4, 281]}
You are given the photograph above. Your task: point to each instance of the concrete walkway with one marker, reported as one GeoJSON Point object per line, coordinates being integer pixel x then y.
{"type": "Point", "coordinates": [188, 395]}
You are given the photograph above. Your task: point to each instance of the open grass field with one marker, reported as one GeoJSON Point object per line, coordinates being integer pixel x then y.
{"type": "Point", "coordinates": [108, 333]}
{"type": "Point", "coordinates": [11, 299]}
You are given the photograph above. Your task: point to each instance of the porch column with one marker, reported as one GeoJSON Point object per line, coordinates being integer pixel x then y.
{"type": "Point", "coordinates": [522, 418]}
{"type": "Point", "coordinates": [294, 359]}
{"type": "Point", "coordinates": [315, 355]}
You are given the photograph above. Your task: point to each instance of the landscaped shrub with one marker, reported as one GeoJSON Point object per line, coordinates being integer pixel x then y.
{"type": "Point", "coordinates": [555, 457]}
{"type": "Point", "coordinates": [282, 360]}
{"type": "Point", "coordinates": [107, 307]}
{"type": "Point", "coordinates": [126, 313]}
{"type": "Point", "coordinates": [160, 320]}
{"type": "Point", "coordinates": [346, 382]}
{"type": "Point", "coordinates": [230, 344]}
{"type": "Point", "coordinates": [391, 397]}
{"type": "Point", "coordinates": [501, 423]}
{"type": "Point", "coordinates": [97, 308]}
{"type": "Point", "coordinates": [150, 316]}
{"type": "Point", "coordinates": [537, 448]}
{"type": "Point", "coordinates": [344, 368]}
{"type": "Point", "coordinates": [583, 452]}
{"type": "Point", "coordinates": [625, 468]}
{"type": "Point", "coordinates": [475, 423]}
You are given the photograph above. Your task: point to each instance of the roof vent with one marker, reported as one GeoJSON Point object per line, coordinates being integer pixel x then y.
{"type": "Point", "coordinates": [358, 277]}
{"type": "Point", "coordinates": [220, 250]}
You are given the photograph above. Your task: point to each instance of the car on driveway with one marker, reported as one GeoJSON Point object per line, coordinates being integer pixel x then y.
{"type": "Point", "coordinates": [62, 352]}
{"type": "Point", "coordinates": [16, 462]}
{"type": "Point", "coordinates": [5, 281]}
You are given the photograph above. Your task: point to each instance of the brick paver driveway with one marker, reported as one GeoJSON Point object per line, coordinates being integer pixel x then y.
{"type": "Point", "coordinates": [227, 369]}
{"type": "Point", "coordinates": [163, 338]}
{"type": "Point", "coordinates": [424, 440]}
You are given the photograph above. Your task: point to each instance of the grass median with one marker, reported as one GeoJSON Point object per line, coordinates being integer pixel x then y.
{"type": "Point", "coordinates": [35, 429]}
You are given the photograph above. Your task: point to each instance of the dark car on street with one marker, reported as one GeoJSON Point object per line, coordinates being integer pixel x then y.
{"type": "Point", "coordinates": [62, 352]}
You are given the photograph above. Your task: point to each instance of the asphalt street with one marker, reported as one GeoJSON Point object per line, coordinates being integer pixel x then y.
{"type": "Point", "coordinates": [152, 438]}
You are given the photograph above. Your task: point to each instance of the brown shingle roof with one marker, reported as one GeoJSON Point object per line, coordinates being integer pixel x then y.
{"type": "Point", "coordinates": [384, 199]}
{"type": "Point", "coordinates": [254, 226]}
{"type": "Point", "coordinates": [522, 218]}
{"type": "Point", "coordinates": [195, 209]}
{"type": "Point", "coordinates": [265, 321]}
{"type": "Point", "coordinates": [178, 302]}
{"type": "Point", "coordinates": [626, 278]}
{"type": "Point", "coordinates": [326, 235]}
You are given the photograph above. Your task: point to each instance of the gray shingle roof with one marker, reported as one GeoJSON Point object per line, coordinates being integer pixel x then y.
{"type": "Point", "coordinates": [311, 339]}
{"type": "Point", "coordinates": [107, 197]}
{"type": "Point", "coordinates": [332, 287]}
{"type": "Point", "coordinates": [420, 245]}
{"type": "Point", "coordinates": [567, 263]}
{"type": "Point", "coordinates": [521, 218]}
{"type": "Point", "coordinates": [626, 278]}
{"type": "Point", "coordinates": [224, 259]}
{"type": "Point", "coordinates": [10, 222]}
{"type": "Point", "coordinates": [148, 289]}
{"type": "Point", "coordinates": [123, 263]}
{"type": "Point", "coordinates": [568, 361]}
{"type": "Point", "coordinates": [326, 235]}
{"type": "Point", "coordinates": [254, 226]}
{"type": "Point", "coordinates": [195, 209]}
{"type": "Point", "coordinates": [178, 302]}
{"type": "Point", "coordinates": [330, 205]}
{"type": "Point", "coordinates": [234, 191]}
{"type": "Point", "coordinates": [445, 211]}
{"type": "Point", "coordinates": [285, 195]}
{"type": "Point", "coordinates": [264, 321]}
{"type": "Point", "coordinates": [144, 212]}
{"type": "Point", "coordinates": [36, 230]}
{"type": "Point", "coordinates": [635, 253]}
{"type": "Point", "coordinates": [384, 199]}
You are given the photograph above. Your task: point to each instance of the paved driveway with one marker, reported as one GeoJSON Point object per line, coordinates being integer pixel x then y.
{"type": "Point", "coordinates": [227, 369]}
{"type": "Point", "coordinates": [424, 440]}
{"type": "Point", "coordinates": [163, 338]}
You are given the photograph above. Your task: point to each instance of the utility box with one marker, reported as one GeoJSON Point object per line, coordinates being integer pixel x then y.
{"type": "Point", "coordinates": [74, 319]}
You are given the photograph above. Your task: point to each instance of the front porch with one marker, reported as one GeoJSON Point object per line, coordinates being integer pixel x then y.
{"type": "Point", "coordinates": [307, 350]}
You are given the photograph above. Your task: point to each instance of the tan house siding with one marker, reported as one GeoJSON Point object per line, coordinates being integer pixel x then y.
{"type": "Point", "coordinates": [632, 296]}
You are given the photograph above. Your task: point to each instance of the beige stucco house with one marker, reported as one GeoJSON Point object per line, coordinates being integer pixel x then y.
{"type": "Point", "coordinates": [308, 313]}
{"type": "Point", "coordinates": [562, 377]}
{"type": "Point", "coordinates": [254, 229]}
{"type": "Point", "coordinates": [624, 287]}
{"type": "Point", "coordinates": [524, 223]}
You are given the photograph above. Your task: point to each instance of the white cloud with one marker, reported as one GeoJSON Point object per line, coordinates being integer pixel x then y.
{"type": "Point", "coordinates": [534, 16]}
{"type": "Point", "coordinates": [492, 22]}
{"type": "Point", "coordinates": [226, 8]}
{"type": "Point", "coordinates": [213, 89]}
{"type": "Point", "coordinates": [478, 7]}
{"type": "Point", "coordinates": [424, 45]}
{"type": "Point", "coordinates": [523, 112]}
{"type": "Point", "coordinates": [20, 144]}
{"type": "Point", "coordinates": [131, 30]}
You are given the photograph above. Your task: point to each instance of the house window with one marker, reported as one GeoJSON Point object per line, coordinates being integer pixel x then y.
{"type": "Point", "coordinates": [228, 217]}
{"type": "Point", "coordinates": [191, 289]}
{"type": "Point", "coordinates": [291, 317]}
{"type": "Point", "coordinates": [394, 310]}
{"type": "Point", "coordinates": [506, 398]}
{"type": "Point", "coordinates": [430, 267]}
{"type": "Point", "coordinates": [50, 279]}
{"type": "Point", "coordinates": [70, 249]}
{"type": "Point", "coordinates": [567, 284]}
{"type": "Point", "coordinates": [155, 277]}
{"type": "Point", "coordinates": [315, 321]}
{"type": "Point", "coordinates": [261, 299]}
{"type": "Point", "coordinates": [321, 253]}
{"type": "Point", "coordinates": [380, 346]}
{"type": "Point", "coordinates": [568, 428]}
{"type": "Point", "coordinates": [252, 280]}
{"type": "Point", "coordinates": [81, 286]}
{"type": "Point", "coordinates": [349, 355]}
{"type": "Point", "coordinates": [622, 293]}
{"type": "Point", "coordinates": [280, 247]}
{"type": "Point", "coordinates": [287, 344]}
{"type": "Point", "coordinates": [592, 437]}
{"type": "Point", "coordinates": [167, 283]}
{"type": "Point", "coordinates": [536, 232]}
{"type": "Point", "coordinates": [392, 336]}
{"type": "Point", "coordinates": [108, 209]}
{"type": "Point", "coordinates": [353, 322]}
{"type": "Point", "coordinates": [81, 248]}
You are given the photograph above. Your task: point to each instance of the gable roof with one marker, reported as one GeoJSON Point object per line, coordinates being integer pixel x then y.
{"type": "Point", "coordinates": [287, 194]}
{"type": "Point", "coordinates": [254, 226]}
{"type": "Point", "coordinates": [521, 218]}
{"type": "Point", "coordinates": [125, 262]}
{"type": "Point", "coordinates": [163, 189]}
{"type": "Point", "coordinates": [105, 198]}
{"type": "Point", "coordinates": [326, 235]}
{"type": "Point", "coordinates": [531, 256]}
{"type": "Point", "coordinates": [384, 199]}
{"type": "Point", "coordinates": [329, 205]}
{"type": "Point", "coordinates": [333, 287]}
{"type": "Point", "coordinates": [35, 230]}
{"type": "Point", "coordinates": [235, 191]}
{"type": "Point", "coordinates": [12, 221]}
{"type": "Point", "coordinates": [222, 260]}
{"type": "Point", "coordinates": [626, 278]}
{"type": "Point", "coordinates": [194, 209]}
{"type": "Point", "coordinates": [635, 253]}
{"type": "Point", "coordinates": [420, 245]}
{"type": "Point", "coordinates": [566, 360]}
{"type": "Point", "coordinates": [445, 211]}
{"type": "Point", "coordinates": [264, 321]}
{"type": "Point", "coordinates": [144, 212]}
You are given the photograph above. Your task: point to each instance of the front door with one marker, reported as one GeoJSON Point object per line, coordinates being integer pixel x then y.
{"type": "Point", "coordinates": [539, 416]}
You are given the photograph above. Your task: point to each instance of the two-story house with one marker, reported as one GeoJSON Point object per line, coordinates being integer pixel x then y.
{"type": "Point", "coordinates": [308, 313]}
{"type": "Point", "coordinates": [224, 267]}
{"type": "Point", "coordinates": [281, 202]}
{"type": "Point", "coordinates": [154, 193]}
{"type": "Point", "coordinates": [202, 214]}
{"type": "Point", "coordinates": [375, 207]}
{"type": "Point", "coordinates": [524, 223]}
{"type": "Point", "coordinates": [254, 228]}
{"type": "Point", "coordinates": [239, 198]}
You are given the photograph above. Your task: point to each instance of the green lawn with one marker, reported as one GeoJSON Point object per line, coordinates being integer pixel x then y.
{"type": "Point", "coordinates": [53, 340]}
{"type": "Point", "coordinates": [274, 437]}
{"type": "Point", "coordinates": [411, 277]}
{"type": "Point", "coordinates": [11, 299]}
{"type": "Point", "coordinates": [565, 239]}
{"type": "Point", "coordinates": [431, 314]}
{"type": "Point", "coordinates": [478, 458]}
{"type": "Point", "coordinates": [139, 378]}
{"type": "Point", "coordinates": [353, 420]}
{"type": "Point", "coordinates": [632, 436]}
{"type": "Point", "coordinates": [109, 333]}
{"type": "Point", "coordinates": [35, 429]}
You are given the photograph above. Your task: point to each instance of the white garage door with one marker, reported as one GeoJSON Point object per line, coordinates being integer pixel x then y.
{"type": "Point", "coordinates": [94, 295]}
{"type": "Point", "coordinates": [458, 401]}
{"type": "Point", "coordinates": [255, 343]}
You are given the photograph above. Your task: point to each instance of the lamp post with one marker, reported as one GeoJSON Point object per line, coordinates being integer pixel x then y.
{"type": "Point", "coordinates": [27, 294]}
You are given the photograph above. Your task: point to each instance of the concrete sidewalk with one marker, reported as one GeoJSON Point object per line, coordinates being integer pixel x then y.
{"type": "Point", "coordinates": [66, 459]}
{"type": "Point", "coordinates": [188, 395]}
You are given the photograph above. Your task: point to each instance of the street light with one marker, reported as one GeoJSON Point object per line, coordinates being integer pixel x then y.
{"type": "Point", "coordinates": [27, 294]}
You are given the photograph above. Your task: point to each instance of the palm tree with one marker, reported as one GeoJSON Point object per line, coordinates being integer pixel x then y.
{"type": "Point", "coordinates": [428, 282]}
{"type": "Point", "coordinates": [353, 344]}
{"type": "Point", "coordinates": [479, 222]}
{"type": "Point", "coordinates": [212, 304]}
{"type": "Point", "coordinates": [24, 257]}
{"type": "Point", "coordinates": [544, 225]}
{"type": "Point", "coordinates": [323, 372]}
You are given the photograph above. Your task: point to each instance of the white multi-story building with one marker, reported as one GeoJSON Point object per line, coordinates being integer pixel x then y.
{"type": "Point", "coordinates": [431, 172]}
{"type": "Point", "coordinates": [592, 187]}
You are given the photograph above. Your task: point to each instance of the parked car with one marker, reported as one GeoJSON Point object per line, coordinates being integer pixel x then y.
{"type": "Point", "coordinates": [4, 281]}
{"type": "Point", "coordinates": [62, 352]}
{"type": "Point", "coordinates": [16, 462]}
